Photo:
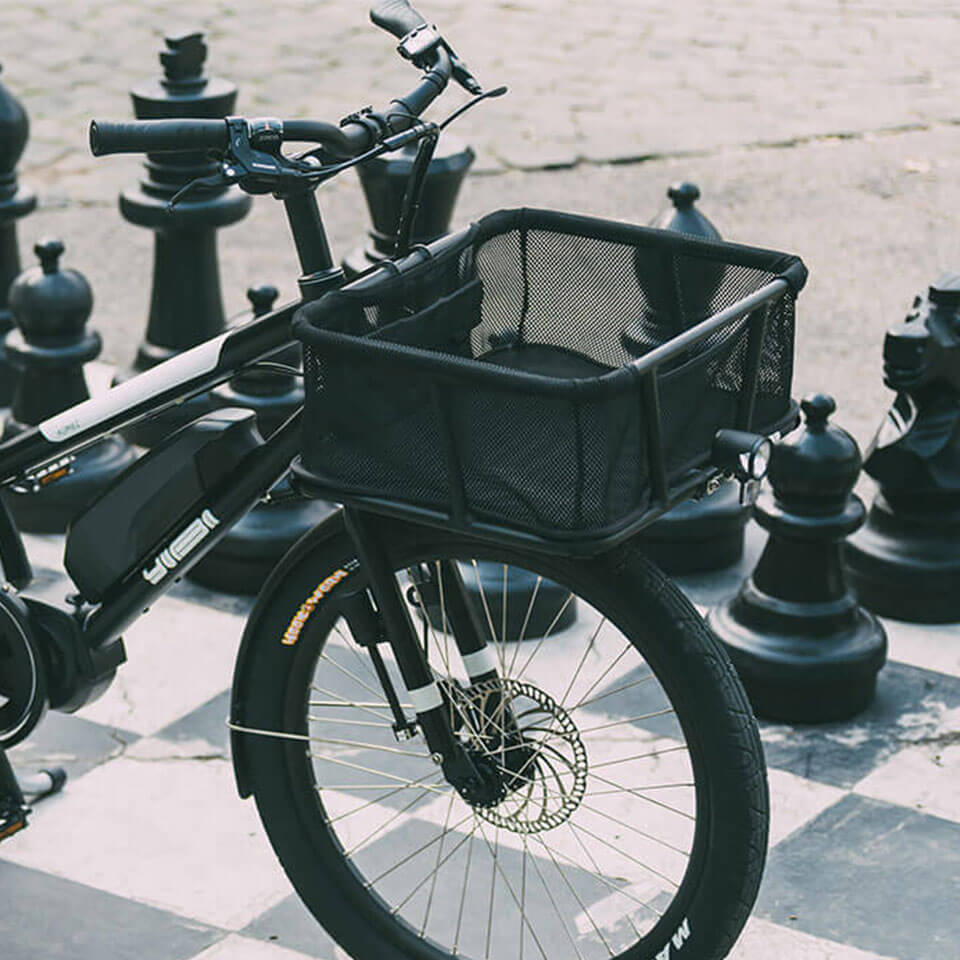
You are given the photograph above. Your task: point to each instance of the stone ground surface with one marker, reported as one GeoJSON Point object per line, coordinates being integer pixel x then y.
{"type": "Point", "coordinates": [828, 129]}
{"type": "Point", "coordinates": [149, 854]}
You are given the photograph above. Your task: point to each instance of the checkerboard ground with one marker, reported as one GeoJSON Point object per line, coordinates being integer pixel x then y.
{"type": "Point", "coordinates": [149, 853]}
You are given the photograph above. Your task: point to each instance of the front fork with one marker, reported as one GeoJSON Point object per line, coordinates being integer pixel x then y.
{"type": "Point", "coordinates": [433, 713]}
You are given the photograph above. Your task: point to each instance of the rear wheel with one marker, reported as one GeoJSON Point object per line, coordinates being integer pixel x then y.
{"type": "Point", "coordinates": [630, 812]}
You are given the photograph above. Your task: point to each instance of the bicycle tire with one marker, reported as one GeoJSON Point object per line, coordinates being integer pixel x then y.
{"type": "Point", "coordinates": [712, 899]}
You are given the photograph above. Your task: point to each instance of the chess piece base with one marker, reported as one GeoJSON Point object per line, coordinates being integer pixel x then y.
{"type": "Point", "coordinates": [907, 566]}
{"type": "Point", "coordinates": [51, 509]}
{"type": "Point", "coordinates": [802, 662]}
{"type": "Point", "coordinates": [241, 562]}
{"type": "Point", "coordinates": [698, 536]}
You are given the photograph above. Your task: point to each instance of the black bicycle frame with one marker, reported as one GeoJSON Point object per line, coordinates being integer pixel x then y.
{"type": "Point", "coordinates": [179, 378]}
{"type": "Point", "coordinates": [192, 372]}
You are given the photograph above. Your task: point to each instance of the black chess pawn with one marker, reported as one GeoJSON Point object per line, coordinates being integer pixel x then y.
{"type": "Point", "coordinates": [49, 346]}
{"type": "Point", "coordinates": [698, 535]}
{"type": "Point", "coordinates": [241, 562]}
{"type": "Point", "coordinates": [272, 393]}
{"type": "Point", "coordinates": [905, 562]}
{"type": "Point", "coordinates": [186, 306]}
{"type": "Point", "coordinates": [804, 649]}
{"type": "Point", "coordinates": [15, 202]}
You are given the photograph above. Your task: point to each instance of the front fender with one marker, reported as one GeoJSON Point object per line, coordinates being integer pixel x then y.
{"type": "Point", "coordinates": [305, 552]}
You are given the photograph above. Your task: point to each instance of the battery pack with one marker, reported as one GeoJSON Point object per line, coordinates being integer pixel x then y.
{"type": "Point", "coordinates": [152, 499]}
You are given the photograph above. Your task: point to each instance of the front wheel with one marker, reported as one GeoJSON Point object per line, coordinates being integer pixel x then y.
{"type": "Point", "coordinates": [630, 821]}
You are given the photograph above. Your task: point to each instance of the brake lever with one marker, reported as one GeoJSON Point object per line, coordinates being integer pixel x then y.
{"type": "Point", "coordinates": [219, 179]}
{"type": "Point", "coordinates": [461, 72]}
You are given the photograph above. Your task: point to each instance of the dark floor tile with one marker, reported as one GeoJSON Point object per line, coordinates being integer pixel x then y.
{"type": "Point", "coordinates": [872, 875]}
{"type": "Point", "coordinates": [46, 917]}
{"type": "Point", "coordinates": [910, 704]}
{"type": "Point", "coordinates": [289, 924]}
{"type": "Point", "coordinates": [207, 723]}
{"type": "Point", "coordinates": [63, 740]}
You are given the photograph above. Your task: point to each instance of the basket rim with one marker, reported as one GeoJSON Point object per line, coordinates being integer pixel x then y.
{"type": "Point", "coordinates": [308, 326]}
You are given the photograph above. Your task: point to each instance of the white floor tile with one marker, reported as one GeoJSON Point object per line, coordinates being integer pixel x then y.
{"type": "Point", "coordinates": [178, 656]}
{"type": "Point", "coordinates": [929, 646]}
{"type": "Point", "coordinates": [762, 940]}
{"type": "Point", "coordinates": [795, 801]}
{"type": "Point", "coordinates": [170, 833]}
{"type": "Point", "coordinates": [236, 947]}
{"type": "Point", "coordinates": [925, 777]}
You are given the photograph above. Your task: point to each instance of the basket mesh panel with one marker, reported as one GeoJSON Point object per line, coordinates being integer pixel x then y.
{"type": "Point", "coordinates": [565, 454]}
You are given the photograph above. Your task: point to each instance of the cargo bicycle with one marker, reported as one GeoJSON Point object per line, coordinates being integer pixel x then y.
{"type": "Point", "coordinates": [436, 777]}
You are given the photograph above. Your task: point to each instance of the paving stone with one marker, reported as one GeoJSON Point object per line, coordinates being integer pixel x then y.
{"type": "Point", "coordinates": [911, 705]}
{"type": "Point", "coordinates": [60, 920]}
{"type": "Point", "coordinates": [235, 947]}
{"type": "Point", "coordinates": [835, 878]}
{"type": "Point", "coordinates": [70, 742]}
{"type": "Point", "coordinates": [161, 829]}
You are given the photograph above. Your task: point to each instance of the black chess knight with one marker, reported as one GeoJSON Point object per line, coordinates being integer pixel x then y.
{"type": "Point", "coordinates": [905, 562]}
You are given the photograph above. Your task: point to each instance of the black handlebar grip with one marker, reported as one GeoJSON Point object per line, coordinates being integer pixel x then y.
{"type": "Point", "coordinates": [396, 17]}
{"type": "Point", "coordinates": [157, 136]}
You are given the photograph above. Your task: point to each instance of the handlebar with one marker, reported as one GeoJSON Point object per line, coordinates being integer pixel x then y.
{"type": "Point", "coordinates": [356, 135]}
{"type": "Point", "coordinates": [156, 136]}
{"type": "Point", "coordinates": [177, 136]}
{"type": "Point", "coordinates": [396, 17]}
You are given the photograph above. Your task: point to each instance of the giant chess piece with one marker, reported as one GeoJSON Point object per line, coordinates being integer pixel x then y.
{"type": "Point", "coordinates": [273, 394]}
{"type": "Point", "coordinates": [697, 535]}
{"type": "Point", "coordinates": [241, 562]}
{"type": "Point", "coordinates": [384, 181]}
{"type": "Point", "coordinates": [905, 562]}
{"type": "Point", "coordinates": [186, 307]}
{"type": "Point", "coordinates": [49, 347]}
{"type": "Point", "coordinates": [15, 202]}
{"type": "Point", "coordinates": [805, 651]}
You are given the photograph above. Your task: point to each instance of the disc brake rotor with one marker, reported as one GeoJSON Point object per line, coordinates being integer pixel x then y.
{"type": "Point", "coordinates": [541, 759]}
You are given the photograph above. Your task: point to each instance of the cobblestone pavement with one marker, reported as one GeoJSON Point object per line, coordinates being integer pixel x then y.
{"type": "Point", "coordinates": [613, 80]}
{"type": "Point", "coordinates": [827, 129]}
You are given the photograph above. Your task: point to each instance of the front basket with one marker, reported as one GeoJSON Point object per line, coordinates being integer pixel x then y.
{"type": "Point", "coordinates": [542, 376]}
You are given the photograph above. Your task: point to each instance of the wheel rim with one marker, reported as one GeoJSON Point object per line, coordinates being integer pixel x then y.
{"type": "Point", "coordinates": [590, 850]}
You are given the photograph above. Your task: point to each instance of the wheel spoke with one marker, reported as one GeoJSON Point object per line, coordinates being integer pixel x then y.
{"type": "Point", "coordinates": [386, 823]}
{"type": "Point", "coordinates": [583, 660]}
{"type": "Point", "coordinates": [375, 800]}
{"type": "Point", "coordinates": [351, 675]}
{"type": "Point", "coordinates": [436, 868]}
{"type": "Point", "coordinates": [379, 773]}
{"type": "Point", "coordinates": [623, 853]}
{"type": "Point", "coordinates": [636, 793]}
{"type": "Point", "coordinates": [344, 702]}
{"type": "Point", "coordinates": [617, 723]}
{"type": "Point", "coordinates": [576, 896]}
{"type": "Point", "coordinates": [493, 890]}
{"type": "Point", "coordinates": [547, 633]}
{"type": "Point", "coordinates": [463, 894]}
{"type": "Point", "coordinates": [610, 693]}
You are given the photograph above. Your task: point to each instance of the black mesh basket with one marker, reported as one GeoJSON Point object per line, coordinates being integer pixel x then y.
{"type": "Point", "coordinates": [544, 377]}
